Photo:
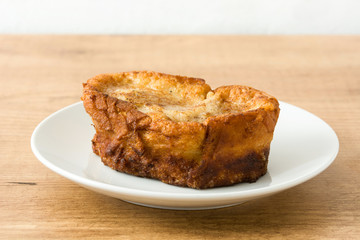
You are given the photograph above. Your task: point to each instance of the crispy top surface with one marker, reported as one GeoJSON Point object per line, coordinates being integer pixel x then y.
{"type": "Point", "coordinates": [180, 99]}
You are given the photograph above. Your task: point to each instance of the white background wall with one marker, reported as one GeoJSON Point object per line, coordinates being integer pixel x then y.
{"type": "Point", "coordinates": [180, 16]}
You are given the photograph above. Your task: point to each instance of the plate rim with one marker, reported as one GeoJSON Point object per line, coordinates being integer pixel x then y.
{"type": "Point", "coordinates": [125, 191]}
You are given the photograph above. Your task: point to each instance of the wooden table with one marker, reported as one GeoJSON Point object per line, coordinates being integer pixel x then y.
{"type": "Point", "coordinates": [41, 74]}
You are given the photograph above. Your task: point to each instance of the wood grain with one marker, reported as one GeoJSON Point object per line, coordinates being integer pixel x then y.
{"type": "Point", "coordinates": [41, 74]}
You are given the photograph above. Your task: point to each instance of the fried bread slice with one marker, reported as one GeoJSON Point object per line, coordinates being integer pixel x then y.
{"type": "Point", "coordinates": [176, 129]}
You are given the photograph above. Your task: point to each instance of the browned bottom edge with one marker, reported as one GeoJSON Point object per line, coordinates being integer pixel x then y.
{"type": "Point", "coordinates": [179, 172]}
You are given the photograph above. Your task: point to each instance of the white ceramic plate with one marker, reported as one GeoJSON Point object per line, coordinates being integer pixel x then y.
{"type": "Point", "coordinates": [303, 146]}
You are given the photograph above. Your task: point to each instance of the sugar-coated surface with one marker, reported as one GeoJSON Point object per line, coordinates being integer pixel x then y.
{"type": "Point", "coordinates": [177, 103]}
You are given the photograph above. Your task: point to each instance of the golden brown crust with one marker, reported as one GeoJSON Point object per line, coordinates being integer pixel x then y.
{"type": "Point", "coordinates": [217, 150]}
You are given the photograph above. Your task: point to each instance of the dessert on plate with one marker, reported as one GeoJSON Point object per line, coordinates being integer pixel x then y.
{"type": "Point", "coordinates": [178, 130]}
